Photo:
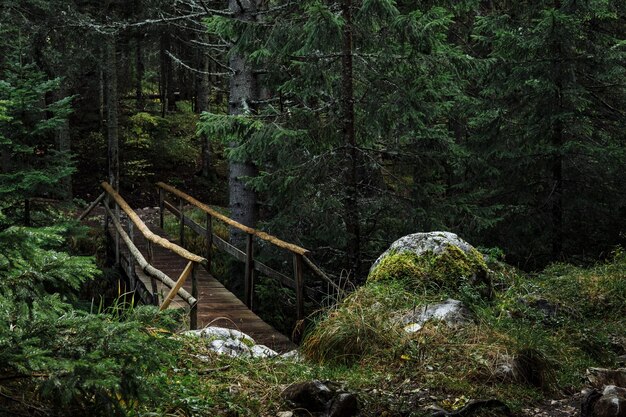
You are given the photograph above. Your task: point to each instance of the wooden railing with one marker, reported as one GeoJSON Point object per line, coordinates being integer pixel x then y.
{"type": "Point", "coordinates": [136, 257]}
{"type": "Point", "coordinates": [299, 254]}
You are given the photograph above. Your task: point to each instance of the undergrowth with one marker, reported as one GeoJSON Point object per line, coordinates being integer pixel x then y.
{"type": "Point", "coordinates": [537, 335]}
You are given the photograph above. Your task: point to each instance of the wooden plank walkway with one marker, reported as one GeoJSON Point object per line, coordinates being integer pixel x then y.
{"type": "Point", "coordinates": [216, 305]}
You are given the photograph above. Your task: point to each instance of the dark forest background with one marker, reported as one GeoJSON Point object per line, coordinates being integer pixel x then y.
{"type": "Point", "coordinates": [338, 125]}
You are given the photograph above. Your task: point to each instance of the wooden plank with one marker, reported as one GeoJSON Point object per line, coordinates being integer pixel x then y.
{"type": "Point", "coordinates": [181, 280]}
{"type": "Point", "coordinates": [248, 282]}
{"type": "Point", "coordinates": [215, 304]}
{"type": "Point", "coordinates": [193, 314]}
{"type": "Point", "coordinates": [141, 226]}
{"type": "Point", "coordinates": [261, 235]}
{"type": "Point", "coordinates": [208, 236]}
{"type": "Point", "coordinates": [297, 272]}
{"type": "Point", "coordinates": [91, 206]}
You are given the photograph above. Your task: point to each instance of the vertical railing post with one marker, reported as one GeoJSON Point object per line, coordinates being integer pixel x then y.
{"type": "Point", "coordinates": [161, 207]}
{"type": "Point", "coordinates": [155, 289]}
{"type": "Point", "coordinates": [182, 223]}
{"type": "Point", "coordinates": [193, 313]}
{"type": "Point", "coordinates": [209, 240]}
{"type": "Point", "coordinates": [299, 278]}
{"type": "Point", "coordinates": [117, 236]}
{"type": "Point", "coordinates": [131, 259]}
{"type": "Point", "coordinates": [107, 221]}
{"type": "Point", "coordinates": [249, 277]}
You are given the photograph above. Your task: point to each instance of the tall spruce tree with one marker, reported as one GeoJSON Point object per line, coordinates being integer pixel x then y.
{"type": "Point", "coordinates": [31, 164]}
{"type": "Point", "coordinates": [553, 124]}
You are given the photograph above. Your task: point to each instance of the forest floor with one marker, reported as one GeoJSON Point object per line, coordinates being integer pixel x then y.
{"type": "Point", "coordinates": [399, 375]}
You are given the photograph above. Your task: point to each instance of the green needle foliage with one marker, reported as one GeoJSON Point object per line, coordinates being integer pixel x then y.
{"type": "Point", "coordinates": [407, 79]}
{"type": "Point", "coordinates": [551, 127]}
{"type": "Point", "coordinates": [65, 360]}
{"type": "Point", "coordinates": [31, 165]}
{"type": "Point", "coordinates": [54, 358]}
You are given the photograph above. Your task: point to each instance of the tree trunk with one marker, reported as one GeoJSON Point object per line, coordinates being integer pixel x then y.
{"type": "Point", "coordinates": [112, 113]}
{"type": "Point", "coordinates": [557, 197]}
{"type": "Point", "coordinates": [557, 158]}
{"type": "Point", "coordinates": [63, 144]}
{"type": "Point", "coordinates": [165, 77]}
{"type": "Point", "coordinates": [101, 86]}
{"type": "Point", "coordinates": [243, 92]}
{"type": "Point", "coordinates": [139, 72]}
{"type": "Point", "coordinates": [202, 104]}
{"type": "Point", "coordinates": [351, 208]}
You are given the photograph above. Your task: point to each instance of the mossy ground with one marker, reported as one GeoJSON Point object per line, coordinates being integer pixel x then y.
{"type": "Point", "coordinates": [584, 329]}
{"type": "Point", "coordinates": [397, 374]}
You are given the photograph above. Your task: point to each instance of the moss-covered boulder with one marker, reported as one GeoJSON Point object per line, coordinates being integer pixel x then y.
{"type": "Point", "coordinates": [438, 260]}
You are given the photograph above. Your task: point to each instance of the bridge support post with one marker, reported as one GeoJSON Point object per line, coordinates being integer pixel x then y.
{"type": "Point", "coordinates": [193, 313]}
{"type": "Point", "coordinates": [209, 241]}
{"type": "Point", "coordinates": [131, 259]}
{"type": "Point", "coordinates": [299, 278]}
{"type": "Point", "coordinates": [117, 237]}
{"type": "Point", "coordinates": [249, 277]}
{"type": "Point", "coordinates": [161, 207]}
{"type": "Point", "coordinates": [155, 290]}
{"type": "Point", "coordinates": [107, 222]}
{"type": "Point", "coordinates": [182, 223]}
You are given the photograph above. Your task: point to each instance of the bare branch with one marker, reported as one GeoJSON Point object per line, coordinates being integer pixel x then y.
{"type": "Point", "coordinates": [197, 71]}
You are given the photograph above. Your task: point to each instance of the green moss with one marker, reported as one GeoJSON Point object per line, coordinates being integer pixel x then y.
{"type": "Point", "coordinates": [448, 270]}
{"type": "Point", "coordinates": [399, 266]}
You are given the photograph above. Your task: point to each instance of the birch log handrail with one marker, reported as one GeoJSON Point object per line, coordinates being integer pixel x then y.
{"type": "Point", "coordinates": [141, 226]}
{"type": "Point", "coordinates": [298, 253]}
{"type": "Point", "coordinates": [262, 235]}
{"type": "Point", "coordinates": [249, 230]}
{"type": "Point", "coordinates": [149, 269]}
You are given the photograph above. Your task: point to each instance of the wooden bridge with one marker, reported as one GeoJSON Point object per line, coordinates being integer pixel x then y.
{"type": "Point", "coordinates": [162, 272]}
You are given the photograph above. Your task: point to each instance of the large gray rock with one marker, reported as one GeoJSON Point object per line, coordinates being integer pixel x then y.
{"type": "Point", "coordinates": [420, 243]}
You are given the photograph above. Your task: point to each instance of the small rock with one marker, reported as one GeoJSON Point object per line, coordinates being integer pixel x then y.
{"type": "Point", "coordinates": [232, 342]}
{"type": "Point", "coordinates": [284, 414]}
{"type": "Point", "coordinates": [310, 395]}
{"type": "Point", "coordinates": [292, 355]}
{"type": "Point", "coordinates": [610, 403]}
{"type": "Point", "coordinates": [215, 332]}
{"type": "Point", "coordinates": [262, 351]}
{"type": "Point", "coordinates": [599, 377]}
{"type": "Point", "coordinates": [452, 312]}
{"type": "Point", "coordinates": [230, 347]}
{"type": "Point", "coordinates": [344, 405]}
